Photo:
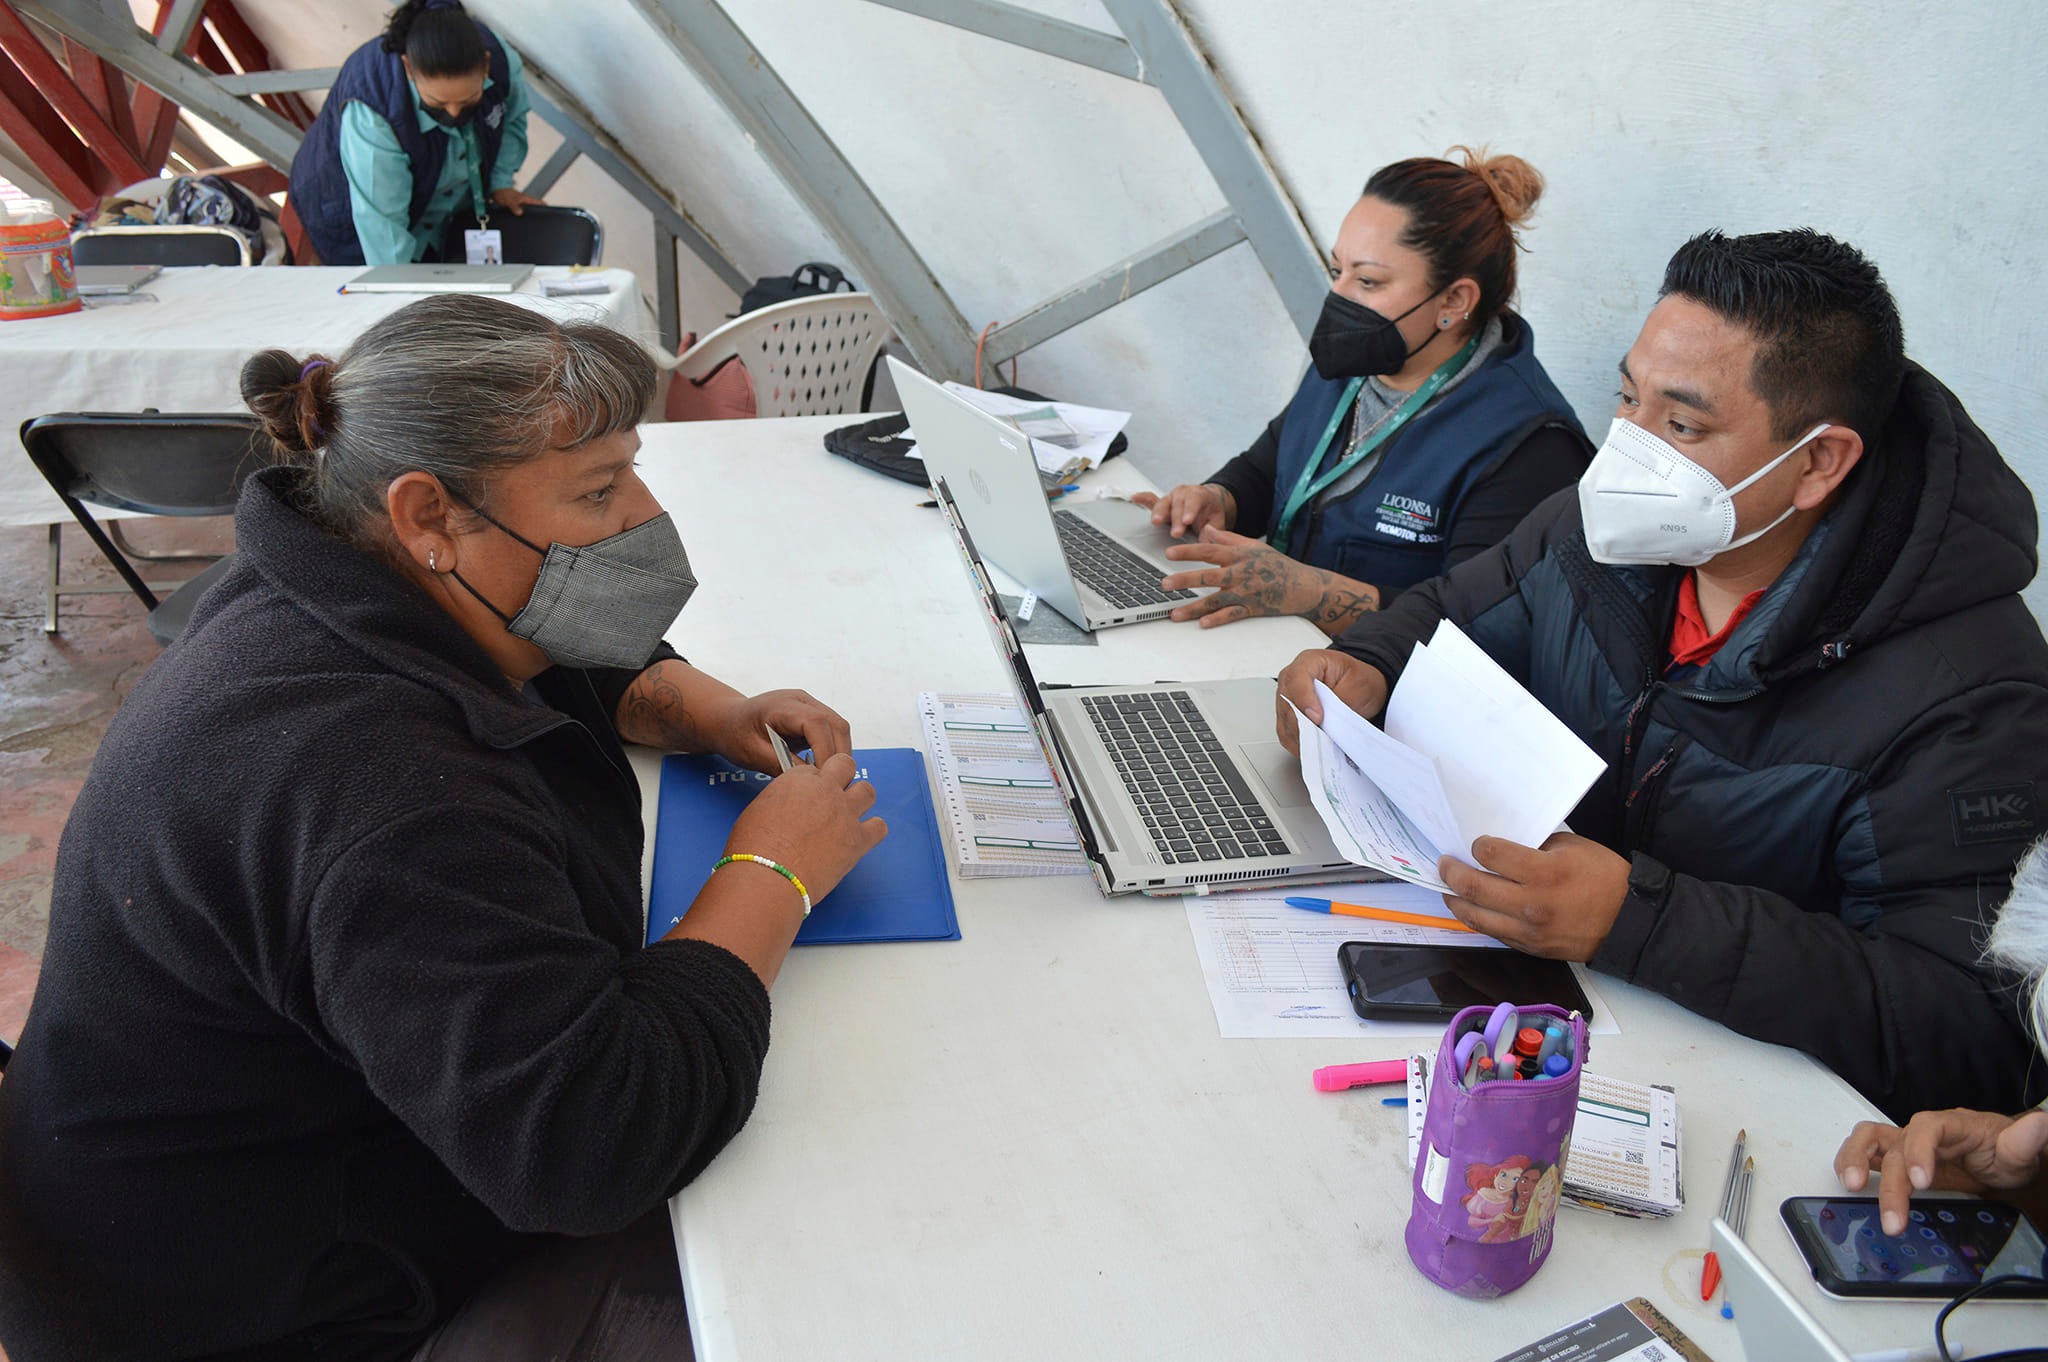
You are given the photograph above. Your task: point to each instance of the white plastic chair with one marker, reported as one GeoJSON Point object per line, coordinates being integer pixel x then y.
{"type": "Point", "coordinates": [805, 357]}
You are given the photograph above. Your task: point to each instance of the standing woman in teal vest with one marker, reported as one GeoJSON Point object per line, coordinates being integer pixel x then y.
{"type": "Point", "coordinates": [1424, 430]}
{"type": "Point", "coordinates": [424, 123]}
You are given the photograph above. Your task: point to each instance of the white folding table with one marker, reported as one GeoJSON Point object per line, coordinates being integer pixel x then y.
{"type": "Point", "coordinates": [1031, 1143]}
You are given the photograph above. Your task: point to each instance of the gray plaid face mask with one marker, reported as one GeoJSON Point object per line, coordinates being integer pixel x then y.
{"type": "Point", "coordinates": [605, 604]}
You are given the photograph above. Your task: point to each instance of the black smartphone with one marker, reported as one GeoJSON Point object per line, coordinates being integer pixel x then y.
{"type": "Point", "coordinates": [1405, 982]}
{"type": "Point", "coordinates": [1950, 1244]}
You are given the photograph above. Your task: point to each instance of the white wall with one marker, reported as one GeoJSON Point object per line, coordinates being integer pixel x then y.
{"type": "Point", "coordinates": [1916, 132]}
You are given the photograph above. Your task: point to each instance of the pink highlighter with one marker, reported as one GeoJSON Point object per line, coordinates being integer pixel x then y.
{"type": "Point", "coordinates": [1338, 1077]}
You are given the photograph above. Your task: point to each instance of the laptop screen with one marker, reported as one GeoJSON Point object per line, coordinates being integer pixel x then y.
{"type": "Point", "coordinates": [1020, 667]}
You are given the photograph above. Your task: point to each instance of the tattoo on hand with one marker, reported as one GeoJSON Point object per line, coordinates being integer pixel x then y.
{"type": "Point", "coordinates": [1268, 582]}
{"type": "Point", "coordinates": [1342, 604]}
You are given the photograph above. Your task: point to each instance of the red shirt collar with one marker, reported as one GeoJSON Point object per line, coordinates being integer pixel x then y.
{"type": "Point", "coordinates": [1691, 644]}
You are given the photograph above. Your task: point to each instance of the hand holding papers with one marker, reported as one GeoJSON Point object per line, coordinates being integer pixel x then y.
{"type": "Point", "coordinates": [1466, 753]}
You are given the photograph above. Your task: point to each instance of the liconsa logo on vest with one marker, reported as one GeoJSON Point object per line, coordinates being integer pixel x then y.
{"type": "Point", "coordinates": [1408, 519]}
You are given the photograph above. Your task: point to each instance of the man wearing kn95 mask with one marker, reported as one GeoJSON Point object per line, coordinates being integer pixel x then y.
{"type": "Point", "coordinates": [1783, 604]}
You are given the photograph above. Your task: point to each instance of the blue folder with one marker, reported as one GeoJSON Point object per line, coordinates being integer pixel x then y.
{"type": "Point", "coordinates": [897, 892]}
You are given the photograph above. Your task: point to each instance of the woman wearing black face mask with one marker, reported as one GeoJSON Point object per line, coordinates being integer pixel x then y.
{"type": "Point", "coordinates": [1424, 430]}
{"type": "Point", "coordinates": [423, 124]}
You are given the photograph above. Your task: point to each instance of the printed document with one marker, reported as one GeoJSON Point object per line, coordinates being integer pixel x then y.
{"type": "Point", "coordinates": [1466, 753]}
{"type": "Point", "coordinates": [1271, 969]}
{"type": "Point", "coordinates": [995, 794]}
{"type": "Point", "coordinates": [1065, 437]}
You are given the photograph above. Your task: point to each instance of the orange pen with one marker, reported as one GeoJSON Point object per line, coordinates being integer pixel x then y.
{"type": "Point", "coordinates": [1449, 924]}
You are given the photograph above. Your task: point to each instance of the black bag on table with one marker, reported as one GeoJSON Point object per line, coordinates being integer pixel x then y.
{"type": "Point", "coordinates": [804, 281]}
{"type": "Point", "coordinates": [879, 444]}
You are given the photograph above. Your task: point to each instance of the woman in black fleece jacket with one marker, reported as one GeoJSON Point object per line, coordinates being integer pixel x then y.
{"type": "Point", "coordinates": [344, 1020]}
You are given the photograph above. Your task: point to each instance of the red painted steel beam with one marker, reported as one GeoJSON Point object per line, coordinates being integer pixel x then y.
{"type": "Point", "coordinates": [258, 177]}
{"type": "Point", "coordinates": [57, 154]}
{"type": "Point", "coordinates": [107, 88]}
{"type": "Point", "coordinates": [156, 118]}
{"type": "Point", "coordinates": [250, 54]}
{"type": "Point", "coordinates": [56, 86]}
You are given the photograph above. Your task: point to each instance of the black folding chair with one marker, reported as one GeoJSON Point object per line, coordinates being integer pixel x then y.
{"type": "Point", "coordinates": [156, 463]}
{"type": "Point", "coordinates": [546, 235]}
{"type": "Point", "coordinates": [168, 245]}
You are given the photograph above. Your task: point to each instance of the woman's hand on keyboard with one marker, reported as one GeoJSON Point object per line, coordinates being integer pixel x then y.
{"type": "Point", "coordinates": [1189, 508]}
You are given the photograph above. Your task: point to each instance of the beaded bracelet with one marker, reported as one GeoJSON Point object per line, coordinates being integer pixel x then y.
{"type": "Point", "coordinates": [775, 866]}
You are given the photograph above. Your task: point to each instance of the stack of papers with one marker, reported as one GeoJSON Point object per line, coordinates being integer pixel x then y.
{"type": "Point", "coordinates": [1466, 753]}
{"type": "Point", "coordinates": [996, 795]}
{"type": "Point", "coordinates": [1066, 439]}
{"type": "Point", "coordinates": [1624, 1152]}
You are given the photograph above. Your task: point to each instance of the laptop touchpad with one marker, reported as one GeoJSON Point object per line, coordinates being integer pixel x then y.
{"type": "Point", "coordinates": [1279, 769]}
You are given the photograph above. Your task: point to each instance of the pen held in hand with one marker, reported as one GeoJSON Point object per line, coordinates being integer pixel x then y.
{"type": "Point", "coordinates": [1449, 924]}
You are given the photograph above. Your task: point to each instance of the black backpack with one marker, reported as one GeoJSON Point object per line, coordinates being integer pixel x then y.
{"type": "Point", "coordinates": [804, 281]}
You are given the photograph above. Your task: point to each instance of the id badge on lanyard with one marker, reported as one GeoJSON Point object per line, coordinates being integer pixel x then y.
{"type": "Point", "coordinates": [482, 244]}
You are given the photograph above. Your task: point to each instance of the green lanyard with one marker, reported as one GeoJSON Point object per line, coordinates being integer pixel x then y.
{"type": "Point", "coordinates": [475, 161]}
{"type": "Point", "coordinates": [1308, 486]}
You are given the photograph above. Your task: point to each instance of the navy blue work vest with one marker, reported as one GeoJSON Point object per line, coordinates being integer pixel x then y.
{"type": "Point", "coordinates": [376, 78]}
{"type": "Point", "coordinates": [1390, 529]}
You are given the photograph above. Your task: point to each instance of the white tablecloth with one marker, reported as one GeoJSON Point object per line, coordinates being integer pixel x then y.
{"type": "Point", "coordinates": [1031, 1143]}
{"type": "Point", "coordinates": [184, 350]}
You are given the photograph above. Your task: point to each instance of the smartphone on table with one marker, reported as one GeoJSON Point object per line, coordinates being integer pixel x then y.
{"type": "Point", "coordinates": [1395, 983]}
{"type": "Point", "coordinates": [1950, 1244]}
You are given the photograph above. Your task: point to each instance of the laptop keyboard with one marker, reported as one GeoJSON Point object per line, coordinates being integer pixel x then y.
{"type": "Point", "coordinates": [1108, 568]}
{"type": "Point", "coordinates": [1196, 804]}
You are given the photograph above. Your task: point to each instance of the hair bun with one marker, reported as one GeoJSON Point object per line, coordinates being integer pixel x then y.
{"type": "Point", "coordinates": [293, 399]}
{"type": "Point", "coordinates": [1516, 185]}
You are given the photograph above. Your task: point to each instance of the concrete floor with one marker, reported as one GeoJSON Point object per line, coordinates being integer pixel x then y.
{"type": "Point", "coordinates": [57, 695]}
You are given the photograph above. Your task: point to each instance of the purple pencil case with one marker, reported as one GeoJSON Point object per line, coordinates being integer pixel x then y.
{"type": "Point", "coordinates": [1490, 1168]}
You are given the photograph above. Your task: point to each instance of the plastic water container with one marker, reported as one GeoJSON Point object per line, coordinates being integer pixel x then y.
{"type": "Point", "coordinates": [35, 264]}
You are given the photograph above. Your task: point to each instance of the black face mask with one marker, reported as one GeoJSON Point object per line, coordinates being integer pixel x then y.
{"type": "Point", "coordinates": [1352, 341]}
{"type": "Point", "coordinates": [449, 120]}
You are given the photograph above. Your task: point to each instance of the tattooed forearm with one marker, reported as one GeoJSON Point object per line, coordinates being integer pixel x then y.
{"type": "Point", "coordinates": [653, 712]}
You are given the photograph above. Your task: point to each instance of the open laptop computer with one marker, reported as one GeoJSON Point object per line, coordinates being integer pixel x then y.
{"type": "Point", "coordinates": [439, 279]}
{"type": "Point", "coordinates": [1171, 786]}
{"type": "Point", "coordinates": [1098, 564]}
{"type": "Point", "coordinates": [112, 281]}
{"type": "Point", "coordinates": [1774, 1326]}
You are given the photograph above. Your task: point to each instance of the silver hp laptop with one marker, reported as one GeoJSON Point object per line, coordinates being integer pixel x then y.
{"type": "Point", "coordinates": [1774, 1326]}
{"type": "Point", "coordinates": [439, 279]}
{"type": "Point", "coordinates": [1098, 564]}
{"type": "Point", "coordinates": [111, 281]}
{"type": "Point", "coordinates": [1171, 786]}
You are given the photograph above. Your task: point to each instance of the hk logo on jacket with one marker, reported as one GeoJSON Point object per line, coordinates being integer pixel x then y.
{"type": "Point", "coordinates": [1992, 813]}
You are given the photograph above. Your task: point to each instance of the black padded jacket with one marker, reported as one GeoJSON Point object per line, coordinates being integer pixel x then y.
{"type": "Point", "coordinates": [1823, 819]}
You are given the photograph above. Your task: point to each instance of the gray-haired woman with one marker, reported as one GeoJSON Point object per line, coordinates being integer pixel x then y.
{"type": "Point", "coordinates": [343, 1022]}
